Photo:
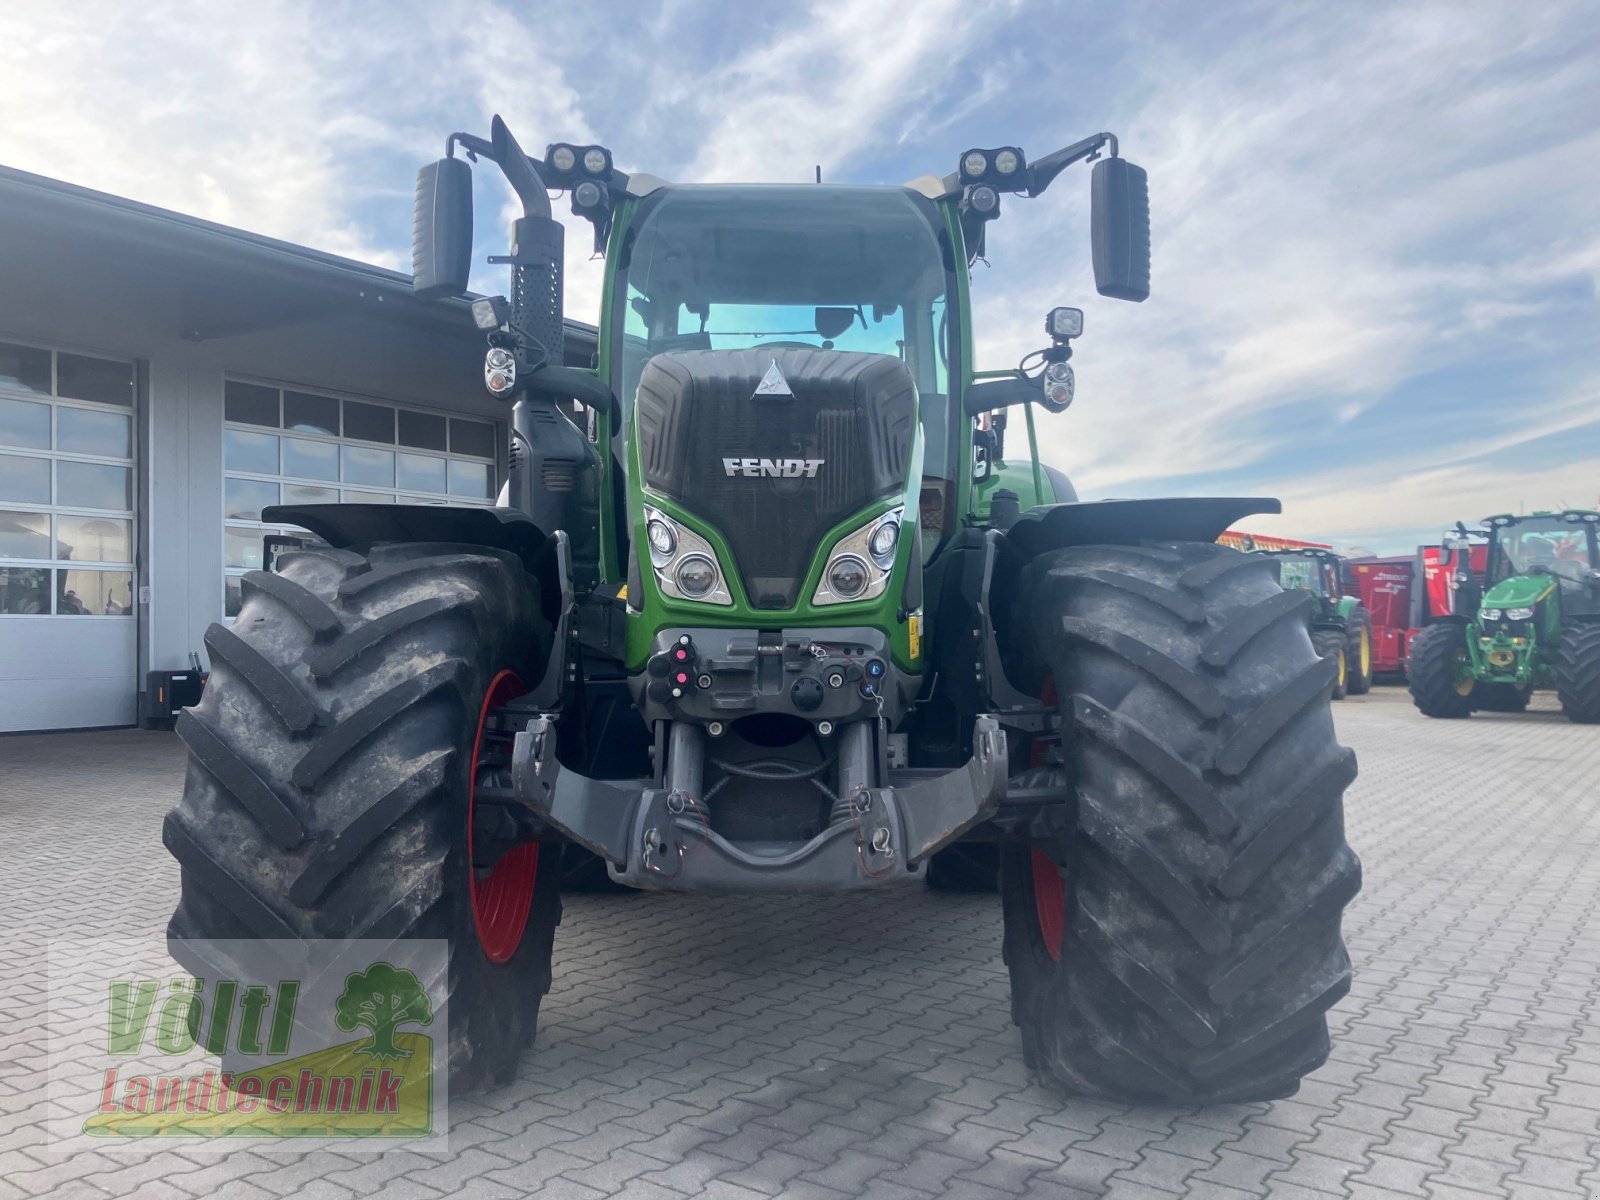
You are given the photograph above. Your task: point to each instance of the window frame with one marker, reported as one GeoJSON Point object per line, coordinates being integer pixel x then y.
{"type": "Point", "coordinates": [53, 508]}
{"type": "Point", "coordinates": [342, 487]}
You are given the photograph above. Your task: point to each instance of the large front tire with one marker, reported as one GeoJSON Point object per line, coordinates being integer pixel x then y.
{"type": "Point", "coordinates": [334, 764]}
{"type": "Point", "coordinates": [1173, 936]}
{"type": "Point", "coordinates": [1441, 680]}
{"type": "Point", "coordinates": [1578, 674]}
{"type": "Point", "coordinates": [1358, 651]}
{"type": "Point", "coordinates": [1330, 646]}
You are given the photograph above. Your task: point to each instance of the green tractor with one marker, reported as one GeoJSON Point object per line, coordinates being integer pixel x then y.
{"type": "Point", "coordinates": [1533, 622]}
{"type": "Point", "coordinates": [1340, 625]}
{"type": "Point", "coordinates": [740, 623]}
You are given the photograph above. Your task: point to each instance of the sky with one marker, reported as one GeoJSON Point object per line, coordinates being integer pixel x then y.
{"type": "Point", "coordinates": [1376, 227]}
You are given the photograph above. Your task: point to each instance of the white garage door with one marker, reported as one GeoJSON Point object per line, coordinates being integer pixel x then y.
{"type": "Point", "coordinates": [285, 445]}
{"type": "Point", "coordinates": [68, 638]}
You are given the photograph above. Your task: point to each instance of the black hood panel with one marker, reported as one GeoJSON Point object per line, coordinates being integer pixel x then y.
{"type": "Point", "coordinates": [775, 471]}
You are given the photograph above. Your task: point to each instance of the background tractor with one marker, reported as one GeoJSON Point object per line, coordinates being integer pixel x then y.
{"type": "Point", "coordinates": [1340, 625]}
{"type": "Point", "coordinates": [1533, 621]}
{"type": "Point", "coordinates": [742, 623]}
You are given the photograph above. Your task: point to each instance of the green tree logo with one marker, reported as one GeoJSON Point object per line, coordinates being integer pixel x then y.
{"type": "Point", "coordinates": [382, 998]}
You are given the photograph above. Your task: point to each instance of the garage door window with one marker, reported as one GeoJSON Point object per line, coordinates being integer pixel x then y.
{"type": "Point", "coordinates": [66, 483]}
{"type": "Point", "coordinates": [288, 446]}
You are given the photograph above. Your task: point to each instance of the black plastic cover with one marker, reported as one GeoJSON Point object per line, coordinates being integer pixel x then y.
{"type": "Point", "coordinates": [1126, 522]}
{"type": "Point", "coordinates": [775, 447]}
{"type": "Point", "coordinates": [441, 229]}
{"type": "Point", "coordinates": [1119, 229]}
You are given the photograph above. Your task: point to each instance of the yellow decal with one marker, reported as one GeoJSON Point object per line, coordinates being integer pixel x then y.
{"type": "Point", "coordinates": [915, 627]}
{"type": "Point", "coordinates": [622, 592]}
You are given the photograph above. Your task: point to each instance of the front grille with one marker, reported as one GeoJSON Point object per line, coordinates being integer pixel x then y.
{"type": "Point", "coordinates": [853, 413]}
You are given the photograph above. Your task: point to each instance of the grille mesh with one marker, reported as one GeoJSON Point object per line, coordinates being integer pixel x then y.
{"type": "Point", "coordinates": [854, 412]}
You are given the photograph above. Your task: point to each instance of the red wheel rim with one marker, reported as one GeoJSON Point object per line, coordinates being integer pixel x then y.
{"type": "Point", "coordinates": [1049, 889]}
{"type": "Point", "coordinates": [501, 902]}
{"type": "Point", "coordinates": [1050, 902]}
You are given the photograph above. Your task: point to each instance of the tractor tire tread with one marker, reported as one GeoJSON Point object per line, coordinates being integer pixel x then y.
{"type": "Point", "coordinates": [353, 826]}
{"type": "Point", "coordinates": [1578, 674]}
{"type": "Point", "coordinates": [1430, 675]}
{"type": "Point", "coordinates": [1204, 851]}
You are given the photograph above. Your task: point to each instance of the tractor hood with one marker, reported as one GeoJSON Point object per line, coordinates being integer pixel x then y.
{"type": "Point", "coordinates": [775, 447]}
{"type": "Point", "coordinates": [1520, 591]}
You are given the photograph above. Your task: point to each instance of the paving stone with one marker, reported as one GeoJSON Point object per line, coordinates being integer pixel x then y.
{"type": "Point", "coordinates": [822, 1047]}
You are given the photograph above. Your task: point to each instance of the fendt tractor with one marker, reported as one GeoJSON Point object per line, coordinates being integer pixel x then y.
{"type": "Point", "coordinates": [1340, 625]}
{"type": "Point", "coordinates": [1532, 622]}
{"type": "Point", "coordinates": [738, 625]}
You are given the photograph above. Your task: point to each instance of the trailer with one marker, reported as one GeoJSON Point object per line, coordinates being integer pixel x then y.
{"type": "Point", "coordinates": [1405, 594]}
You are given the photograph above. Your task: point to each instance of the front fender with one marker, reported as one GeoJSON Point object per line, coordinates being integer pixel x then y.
{"type": "Point", "coordinates": [1122, 522]}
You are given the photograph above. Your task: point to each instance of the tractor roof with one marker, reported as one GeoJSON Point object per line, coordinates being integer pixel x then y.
{"type": "Point", "coordinates": [1302, 552]}
{"type": "Point", "coordinates": [1573, 516]}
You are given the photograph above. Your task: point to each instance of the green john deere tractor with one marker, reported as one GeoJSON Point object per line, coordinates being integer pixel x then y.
{"type": "Point", "coordinates": [742, 623]}
{"type": "Point", "coordinates": [1340, 625]}
{"type": "Point", "coordinates": [1533, 622]}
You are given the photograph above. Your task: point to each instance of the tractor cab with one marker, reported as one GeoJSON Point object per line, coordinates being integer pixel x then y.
{"type": "Point", "coordinates": [1560, 547]}
{"type": "Point", "coordinates": [1309, 570]}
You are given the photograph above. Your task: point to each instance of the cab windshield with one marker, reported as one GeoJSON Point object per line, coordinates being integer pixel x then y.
{"type": "Point", "coordinates": [845, 268]}
{"type": "Point", "coordinates": [1549, 546]}
{"type": "Point", "coordinates": [1306, 572]}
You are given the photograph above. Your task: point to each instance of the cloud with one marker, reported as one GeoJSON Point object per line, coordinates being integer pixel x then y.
{"type": "Point", "coordinates": [842, 78]}
{"type": "Point", "coordinates": [1376, 238]}
{"type": "Point", "coordinates": [1339, 206]}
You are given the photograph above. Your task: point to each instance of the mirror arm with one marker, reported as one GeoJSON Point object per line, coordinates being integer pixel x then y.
{"type": "Point", "coordinates": [519, 170]}
{"type": "Point", "coordinates": [1043, 171]}
{"type": "Point", "coordinates": [475, 147]}
{"type": "Point", "coordinates": [514, 164]}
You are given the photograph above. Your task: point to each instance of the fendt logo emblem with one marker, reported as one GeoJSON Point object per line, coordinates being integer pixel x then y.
{"type": "Point", "coordinates": [773, 383]}
{"type": "Point", "coordinates": [772, 468]}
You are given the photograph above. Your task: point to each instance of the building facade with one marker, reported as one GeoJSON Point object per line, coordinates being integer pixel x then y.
{"type": "Point", "coordinates": [164, 379]}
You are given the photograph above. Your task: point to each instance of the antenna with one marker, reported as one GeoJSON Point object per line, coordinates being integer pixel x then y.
{"type": "Point", "coordinates": [819, 172]}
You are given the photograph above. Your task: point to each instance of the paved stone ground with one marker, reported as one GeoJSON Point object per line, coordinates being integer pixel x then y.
{"type": "Point", "coordinates": [830, 1047]}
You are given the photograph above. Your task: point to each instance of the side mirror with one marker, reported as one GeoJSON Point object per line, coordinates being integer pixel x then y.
{"type": "Point", "coordinates": [441, 229]}
{"type": "Point", "coordinates": [1119, 229]}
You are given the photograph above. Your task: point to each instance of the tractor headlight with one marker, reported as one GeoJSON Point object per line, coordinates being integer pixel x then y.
{"type": "Point", "coordinates": [1490, 614]}
{"type": "Point", "coordinates": [491, 312]}
{"type": "Point", "coordinates": [563, 158]}
{"type": "Point", "coordinates": [595, 160]}
{"type": "Point", "coordinates": [695, 575]}
{"type": "Point", "coordinates": [499, 370]}
{"type": "Point", "coordinates": [1519, 614]}
{"type": "Point", "coordinates": [685, 565]}
{"type": "Point", "coordinates": [983, 200]}
{"type": "Point", "coordinates": [1060, 386]}
{"type": "Point", "coordinates": [975, 163]}
{"type": "Point", "coordinates": [663, 542]}
{"type": "Point", "coordinates": [859, 565]}
{"type": "Point", "coordinates": [1064, 324]}
{"type": "Point", "coordinates": [884, 540]}
{"type": "Point", "coordinates": [1007, 161]}
{"type": "Point", "coordinates": [848, 576]}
